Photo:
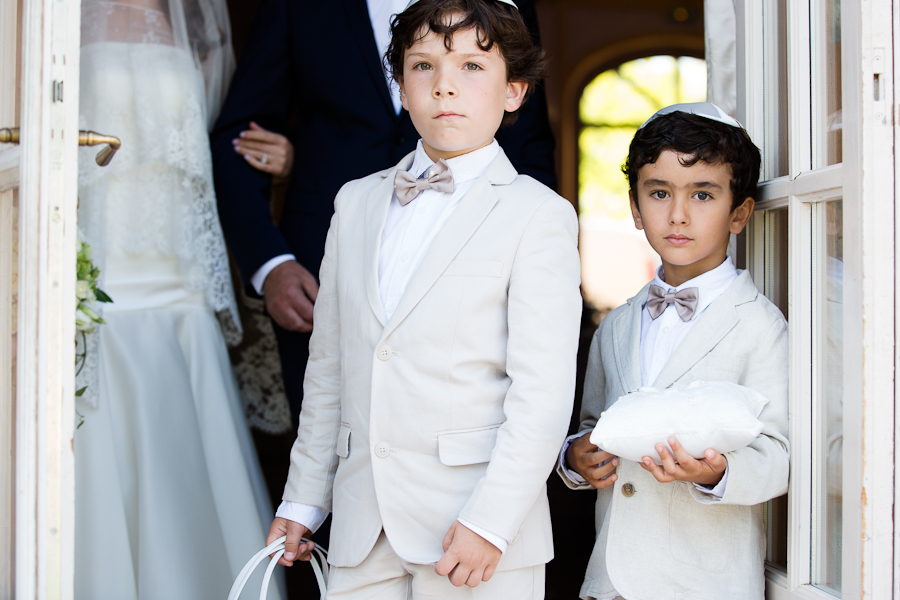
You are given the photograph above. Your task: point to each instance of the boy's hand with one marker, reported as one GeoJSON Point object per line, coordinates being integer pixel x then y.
{"type": "Point", "coordinates": [293, 549]}
{"type": "Point", "coordinates": [684, 467]}
{"type": "Point", "coordinates": [585, 459]}
{"type": "Point", "coordinates": [468, 558]}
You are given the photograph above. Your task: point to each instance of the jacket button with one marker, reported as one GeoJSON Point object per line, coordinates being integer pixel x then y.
{"type": "Point", "coordinates": [628, 490]}
{"type": "Point", "coordinates": [384, 353]}
{"type": "Point", "coordinates": [382, 450]}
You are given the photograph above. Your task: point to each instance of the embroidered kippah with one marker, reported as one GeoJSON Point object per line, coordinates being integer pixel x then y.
{"type": "Point", "coordinates": [510, 2]}
{"type": "Point", "coordinates": [707, 110]}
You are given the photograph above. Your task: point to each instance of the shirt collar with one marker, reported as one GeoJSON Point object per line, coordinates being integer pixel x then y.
{"type": "Point", "coordinates": [464, 167]}
{"type": "Point", "coordinates": [710, 285]}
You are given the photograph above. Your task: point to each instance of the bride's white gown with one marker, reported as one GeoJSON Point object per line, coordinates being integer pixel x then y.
{"type": "Point", "coordinates": [170, 502]}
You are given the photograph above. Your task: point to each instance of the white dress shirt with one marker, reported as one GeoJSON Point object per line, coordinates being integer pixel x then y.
{"type": "Point", "coordinates": [409, 230]}
{"type": "Point", "coordinates": [660, 338]}
{"type": "Point", "coordinates": [405, 239]}
{"type": "Point", "coordinates": [380, 14]}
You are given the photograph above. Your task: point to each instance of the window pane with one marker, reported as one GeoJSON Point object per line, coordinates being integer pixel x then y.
{"type": "Point", "coordinates": [776, 289]}
{"type": "Point", "coordinates": [825, 39]}
{"type": "Point", "coordinates": [775, 107]}
{"type": "Point", "coordinates": [777, 532]}
{"type": "Point", "coordinates": [828, 386]}
{"type": "Point", "coordinates": [776, 253]}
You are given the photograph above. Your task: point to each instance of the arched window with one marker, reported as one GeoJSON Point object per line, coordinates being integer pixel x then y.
{"type": "Point", "coordinates": [616, 259]}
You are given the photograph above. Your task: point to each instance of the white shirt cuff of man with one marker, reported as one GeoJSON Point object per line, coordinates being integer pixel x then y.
{"type": "Point", "coordinates": [718, 490]}
{"type": "Point", "coordinates": [259, 278]}
{"type": "Point", "coordinates": [312, 518]}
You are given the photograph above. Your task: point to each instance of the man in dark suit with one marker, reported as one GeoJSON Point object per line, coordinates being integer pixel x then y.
{"type": "Point", "coordinates": [321, 60]}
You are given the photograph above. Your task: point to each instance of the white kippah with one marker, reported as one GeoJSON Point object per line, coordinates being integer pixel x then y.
{"type": "Point", "coordinates": [707, 110]}
{"type": "Point", "coordinates": [510, 2]}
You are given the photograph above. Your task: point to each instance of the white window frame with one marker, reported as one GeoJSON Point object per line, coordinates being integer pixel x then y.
{"type": "Point", "coordinates": [39, 65]}
{"type": "Point", "coordinates": [866, 182]}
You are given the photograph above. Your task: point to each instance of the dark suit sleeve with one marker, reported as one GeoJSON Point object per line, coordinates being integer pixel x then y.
{"type": "Point", "coordinates": [529, 142]}
{"type": "Point", "coordinates": [261, 91]}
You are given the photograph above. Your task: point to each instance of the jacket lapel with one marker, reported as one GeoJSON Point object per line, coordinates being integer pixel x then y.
{"type": "Point", "coordinates": [717, 320]}
{"type": "Point", "coordinates": [459, 228]}
{"type": "Point", "coordinates": [627, 336]}
{"type": "Point", "coordinates": [378, 202]}
{"type": "Point", "coordinates": [357, 12]}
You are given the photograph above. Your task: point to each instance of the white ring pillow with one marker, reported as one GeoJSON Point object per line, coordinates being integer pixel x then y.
{"type": "Point", "coordinates": [706, 414]}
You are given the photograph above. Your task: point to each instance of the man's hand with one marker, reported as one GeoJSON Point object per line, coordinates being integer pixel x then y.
{"type": "Point", "coordinates": [290, 292]}
{"type": "Point", "coordinates": [468, 558]}
{"type": "Point", "coordinates": [586, 459]}
{"type": "Point", "coordinates": [684, 467]}
{"type": "Point", "coordinates": [293, 549]}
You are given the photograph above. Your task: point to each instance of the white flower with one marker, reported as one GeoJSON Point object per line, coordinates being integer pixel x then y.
{"type": "Point", "coordinates": [82, 289]}
{"type": "Point", "coordinates": [83, 322]}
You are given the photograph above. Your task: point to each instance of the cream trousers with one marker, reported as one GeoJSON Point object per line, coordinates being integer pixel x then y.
{"type": "Point", "coordinates": [385, 576]}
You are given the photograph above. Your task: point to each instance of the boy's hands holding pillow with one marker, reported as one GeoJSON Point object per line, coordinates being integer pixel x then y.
{"type": "Point", "coordinates": [688, 429]}
{"type": "Point", "coordinates": [706, 471]}
{"type": "Point", "coordinates": [596, 466]}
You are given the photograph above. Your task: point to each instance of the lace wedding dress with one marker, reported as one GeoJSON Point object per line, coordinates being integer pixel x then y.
{"type": "Point", "coordinates": [170, 501]}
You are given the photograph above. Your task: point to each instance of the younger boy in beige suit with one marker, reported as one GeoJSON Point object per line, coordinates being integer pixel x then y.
{"type": "Point", "coordinates": [688, 529]}
{"type": "Point", "coordinates": [442, 360]}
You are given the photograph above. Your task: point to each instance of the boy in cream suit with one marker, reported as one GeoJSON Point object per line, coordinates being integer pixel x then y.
{"type": "Point", "coordinates": [442, 360]}
{"type": "Point", "coordinates": [687, 529]}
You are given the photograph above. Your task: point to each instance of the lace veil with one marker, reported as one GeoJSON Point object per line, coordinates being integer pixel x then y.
{"type": "Point", "coordinates": [154, 73]}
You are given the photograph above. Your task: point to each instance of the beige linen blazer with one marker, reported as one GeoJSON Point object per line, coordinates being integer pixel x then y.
{"type": "Point", "coordinates": [669, 541]}
{"type": "Point", "coordinates": [455, 407]}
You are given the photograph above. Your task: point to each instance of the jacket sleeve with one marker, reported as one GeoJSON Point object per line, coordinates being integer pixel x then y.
{"type": "Point", "coordinates": [544, 317]}
{"type": "Point", "coordinates": [313, 458]}
{"type": "Point", "coordinates": [592, 403]}
{"type": "Point", "coordinates": [261, 91]}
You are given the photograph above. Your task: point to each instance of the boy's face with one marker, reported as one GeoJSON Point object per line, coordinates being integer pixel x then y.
{"type": "Point", "coordinates": [456, 99]}
{"type": "Point", "coordinates": [686, 214]}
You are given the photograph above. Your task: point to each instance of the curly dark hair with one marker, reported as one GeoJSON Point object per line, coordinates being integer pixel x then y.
{"type": "Point", "coordinates": [494, 22]}
{"type": "Point", "coordinates": [697, 139]}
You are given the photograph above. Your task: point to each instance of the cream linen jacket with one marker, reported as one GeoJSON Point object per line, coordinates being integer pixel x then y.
{"type": "Point", "coordinates": [457, 406]}
{"type": "Point", "coordinates": [670, 541]}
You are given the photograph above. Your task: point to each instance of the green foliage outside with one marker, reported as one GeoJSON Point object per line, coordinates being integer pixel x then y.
{"type": "Point", "coordinates": [612, 107]}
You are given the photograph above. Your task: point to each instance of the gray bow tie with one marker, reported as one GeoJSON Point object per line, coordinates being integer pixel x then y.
{"type": "Point", "coordinates": [685, 301]}
{"type": "Point", "coordinates": [408, 186]}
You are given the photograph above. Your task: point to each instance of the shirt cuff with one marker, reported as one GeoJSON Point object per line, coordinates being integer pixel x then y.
{"type": "Point", "coordinates": [719, 490]}
{"type": "Point", "coordinates": [310, 517]}
{"type": "Point", "coordinates": [496, 540]}
{"type": "Point", "coordinates": [259, 278]}
{"type": "Point", "coordinates": [572, 475]}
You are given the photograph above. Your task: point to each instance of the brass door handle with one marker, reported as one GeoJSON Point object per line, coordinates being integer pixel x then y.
{"type": "Point", "coordinates": [92, 138]}
{"type": "Point", "coordinates": [10, 135]}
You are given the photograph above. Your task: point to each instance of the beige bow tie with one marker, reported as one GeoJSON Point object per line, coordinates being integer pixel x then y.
{"type": "Point", "coordinates": [685, 301]}
{"type": "Point", "coordinates": [438, 178]}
